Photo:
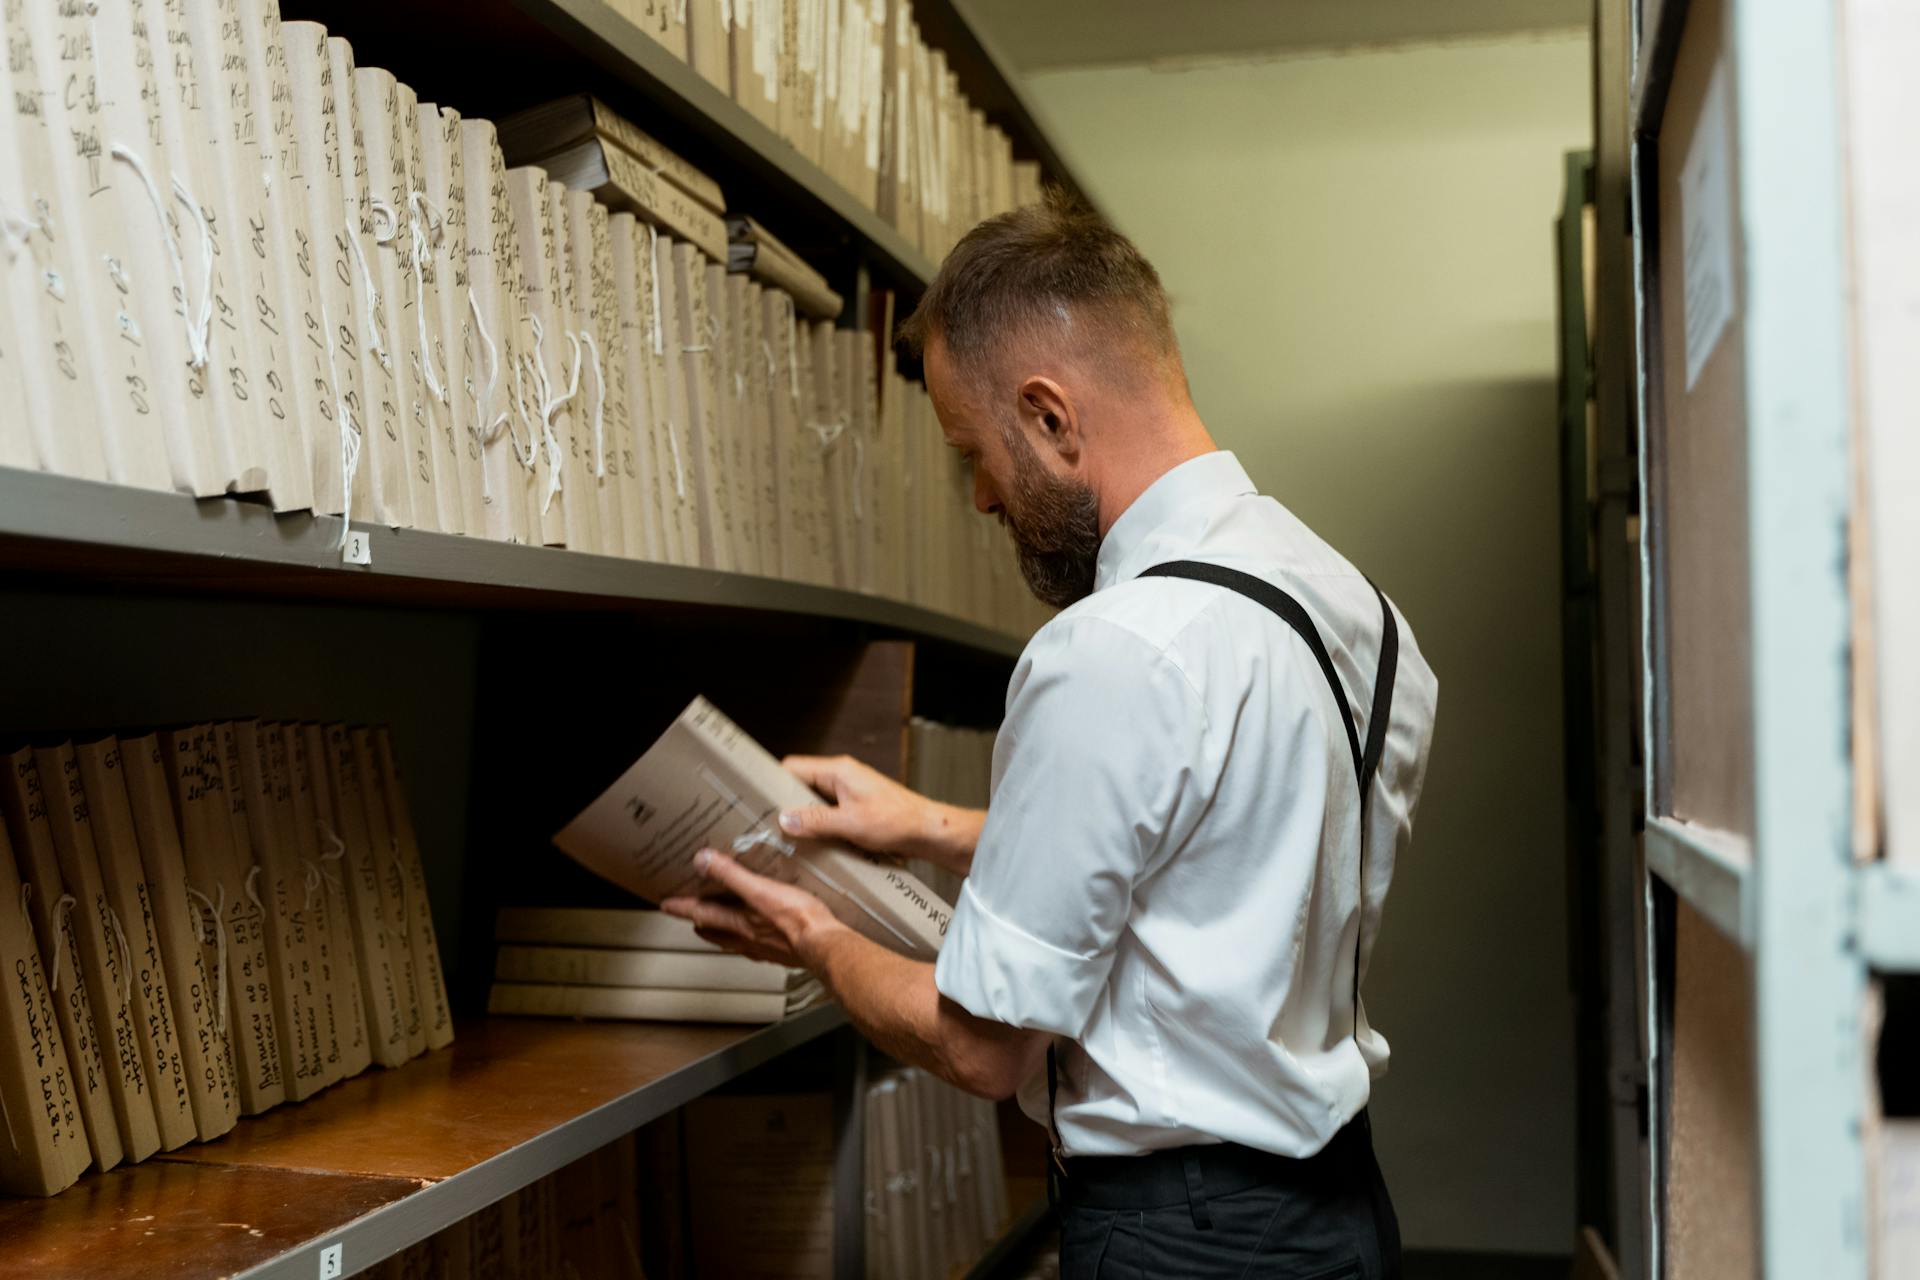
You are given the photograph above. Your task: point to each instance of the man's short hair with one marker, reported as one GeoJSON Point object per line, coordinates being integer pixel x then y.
{"type": "Point", "coordinates": [1055, 268]}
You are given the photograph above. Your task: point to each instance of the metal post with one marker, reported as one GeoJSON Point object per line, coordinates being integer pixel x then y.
{"type": "Point", "coordinates": [1810, 984]}
{"type": "Point", "coordinates": [849, 1156]}
{"type": "Point", "coordinates": [1631, 1134]}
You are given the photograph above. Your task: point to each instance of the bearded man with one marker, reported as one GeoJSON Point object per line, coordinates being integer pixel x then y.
{"type": "Point", "coordinates": [1208, 766]}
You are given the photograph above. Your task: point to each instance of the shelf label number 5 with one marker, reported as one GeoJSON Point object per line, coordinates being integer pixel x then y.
{"type": "Point", "coordinates": [330, 1262]}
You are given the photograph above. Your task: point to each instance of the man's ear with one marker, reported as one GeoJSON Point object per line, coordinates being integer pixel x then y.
{"type": "Point", "coordinates": [1049, 412]}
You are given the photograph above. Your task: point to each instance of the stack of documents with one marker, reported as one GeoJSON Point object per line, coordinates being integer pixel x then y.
{"type": "Point", "coordinates": [633, 965]}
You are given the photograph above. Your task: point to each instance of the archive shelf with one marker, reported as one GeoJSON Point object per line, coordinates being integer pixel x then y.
{"type": "Point", "coordinates": [79, 529]}
{"type": "Point", "coordinates": [382, 1161]}
{"type": "Point", "coordinates": [502, 55]}
{"type": "Point", "coordinates": [1813, 927]}
{"type": "Point", "coordinates": [387, 1158]}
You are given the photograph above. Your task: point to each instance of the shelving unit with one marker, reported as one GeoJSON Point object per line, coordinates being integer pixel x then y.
{"type": "Point", "coordinates": [1793, 921]}
{"type": "Point", "coordinates": [143, 607]}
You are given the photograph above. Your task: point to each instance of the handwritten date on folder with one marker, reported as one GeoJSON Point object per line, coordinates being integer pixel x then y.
{"type": "Point", "coordinates": [706, 785]}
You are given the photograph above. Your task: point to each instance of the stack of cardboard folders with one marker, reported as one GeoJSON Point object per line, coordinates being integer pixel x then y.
{"type": "Point", "coordinates": [856, 89]}
{"type": "Point", "coordinates": [637, 965]}
{"type": "Point", "coordinates": [202, 923]}
{"type": "Point", "coordinates": [952, 764]}
{"type": "Point", "coordinates": [546, 333]}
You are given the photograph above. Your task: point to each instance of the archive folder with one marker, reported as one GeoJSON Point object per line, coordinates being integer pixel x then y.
{"type": "Point", "coordinates": [706, 784]}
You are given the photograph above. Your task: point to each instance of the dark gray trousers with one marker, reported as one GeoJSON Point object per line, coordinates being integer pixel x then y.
{"type": "Point", "coordinates": [1195, 1213]}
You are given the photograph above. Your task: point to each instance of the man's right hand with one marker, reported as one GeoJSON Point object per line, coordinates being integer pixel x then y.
{"type": "Point", "coordinates": [877, 814]}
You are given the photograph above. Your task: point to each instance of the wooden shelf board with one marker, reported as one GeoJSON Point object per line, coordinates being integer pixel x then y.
{"type": "Point", "coordinates": [388, 1158]}
{"type": "Point", "coordinates": [67, 531]}
{"type": "Point", "coordinates": [166, 1221]}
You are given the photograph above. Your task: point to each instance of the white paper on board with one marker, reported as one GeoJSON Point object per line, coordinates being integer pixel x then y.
{"type": "Point", "coordinates": [1706, 226]}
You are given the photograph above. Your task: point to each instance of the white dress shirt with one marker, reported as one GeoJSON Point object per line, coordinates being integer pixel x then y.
{"type": "Point", "coordinates": [1167, 877]}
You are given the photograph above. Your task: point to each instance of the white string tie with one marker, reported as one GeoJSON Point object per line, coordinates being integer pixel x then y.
{"type": "Point", "coordinates": [62, 928]}
{"type": "Point", "coordinates": [196, 345]}
{"type": "Point", "coordinates": [828, 432]}
{"type": "Point", "coordinates": [215, 913]}
{"type": "Point", "coordinates": [679, 472]}
{"type": "Point", "coordinates": [694, 351]}
{"type": "Point", "coordinates": [551, 404]}
{"type": "Point", "coordinates": [313, 883]}
{"type": "Point", "coordinates": [525, 456]}
{"type": "Point", "coordinates": [483, 435]}
{"type": "Point", "coordinates": [126, 955]}
{"type": "Point", "coordinates": [653, 253]}
{"type": "Point", "coordinates": [542, 436]}
{"type": "Point", "coordinates": [336, 852]}
{"type": "Point", "coordinates": [203, 323]}
{"type": "Point", "coordinates": [18, 230]}
{"type": "Point", "coordinates": [739, 385]}
{"type": "Point", "coordinates": [766, 836]}
{"type": "Point", "coordinates": [372, 293]}
{"type": "Point", "coordinates": [253, 890]}
{"type": "Point", "coordinates": [793, 359]}
{"type": "Point", "coordinates": [773, 366]}
{"type": "Point", "coordinates": [599, 406]}
{"type": "Point", "coordinates": [859, 467]}
{"type": "Point", "coordinates": [426, 228]}
{"type": "Point", "coordinates": [933, 1179]}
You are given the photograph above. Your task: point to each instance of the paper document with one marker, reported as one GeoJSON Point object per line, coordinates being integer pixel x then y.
{"type": "Point", "coordinates": [706, 784]}
{"type": "Point", "coordinates": [1706, 214]}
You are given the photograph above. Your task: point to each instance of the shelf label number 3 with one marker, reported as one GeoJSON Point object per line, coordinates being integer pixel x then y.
{"type": "Point", "coordinates": [358, 550]}
{"type": "Point", "coordinates": [330, 1262]}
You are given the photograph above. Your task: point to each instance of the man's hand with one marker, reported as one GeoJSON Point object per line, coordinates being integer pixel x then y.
{"type": "Point", "coordinates": [774, 922]}
{"type": "Point", "coordinates": [891, 998]}
{"type": "Point", "coordinates": [877, 814]}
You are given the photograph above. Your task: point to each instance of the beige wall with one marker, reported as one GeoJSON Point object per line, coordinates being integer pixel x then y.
{"type": "Point", "coordinates": [1359, 248]}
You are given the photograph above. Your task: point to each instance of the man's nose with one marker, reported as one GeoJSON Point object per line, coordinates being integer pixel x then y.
{"type": "Point", "coordinates": [985, 500]}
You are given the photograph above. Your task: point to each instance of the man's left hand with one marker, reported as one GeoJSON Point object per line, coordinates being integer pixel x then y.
{"type": "Point", "coordinates": [771, 921]}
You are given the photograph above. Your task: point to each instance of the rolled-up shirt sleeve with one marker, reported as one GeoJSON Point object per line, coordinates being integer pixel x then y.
{"type": "Point", "coordinates": [1093, 786]}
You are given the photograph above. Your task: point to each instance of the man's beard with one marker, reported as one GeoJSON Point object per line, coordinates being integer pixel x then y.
{"type": "Point", "coordinates": [1055, 524]}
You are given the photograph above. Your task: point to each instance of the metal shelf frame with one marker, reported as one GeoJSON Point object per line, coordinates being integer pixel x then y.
{"type": "Point", "coordinates": [1813, 920]}
{"type": "Point", "coordinates": [1887, 913]}
{"type": "Point", "coordinates": [81, 528]}
{"type": "Point", "coordinates": [1708, 868]}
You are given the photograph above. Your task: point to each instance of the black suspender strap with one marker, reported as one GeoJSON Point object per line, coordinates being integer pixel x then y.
{"type": "Point", "coordinates": [1289, 611]}
{"type": "Point", "coordinates": [1366, 760]}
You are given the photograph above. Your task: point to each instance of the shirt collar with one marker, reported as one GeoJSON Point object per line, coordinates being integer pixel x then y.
{"type": "Point", "coordinates": [1180, 501]}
